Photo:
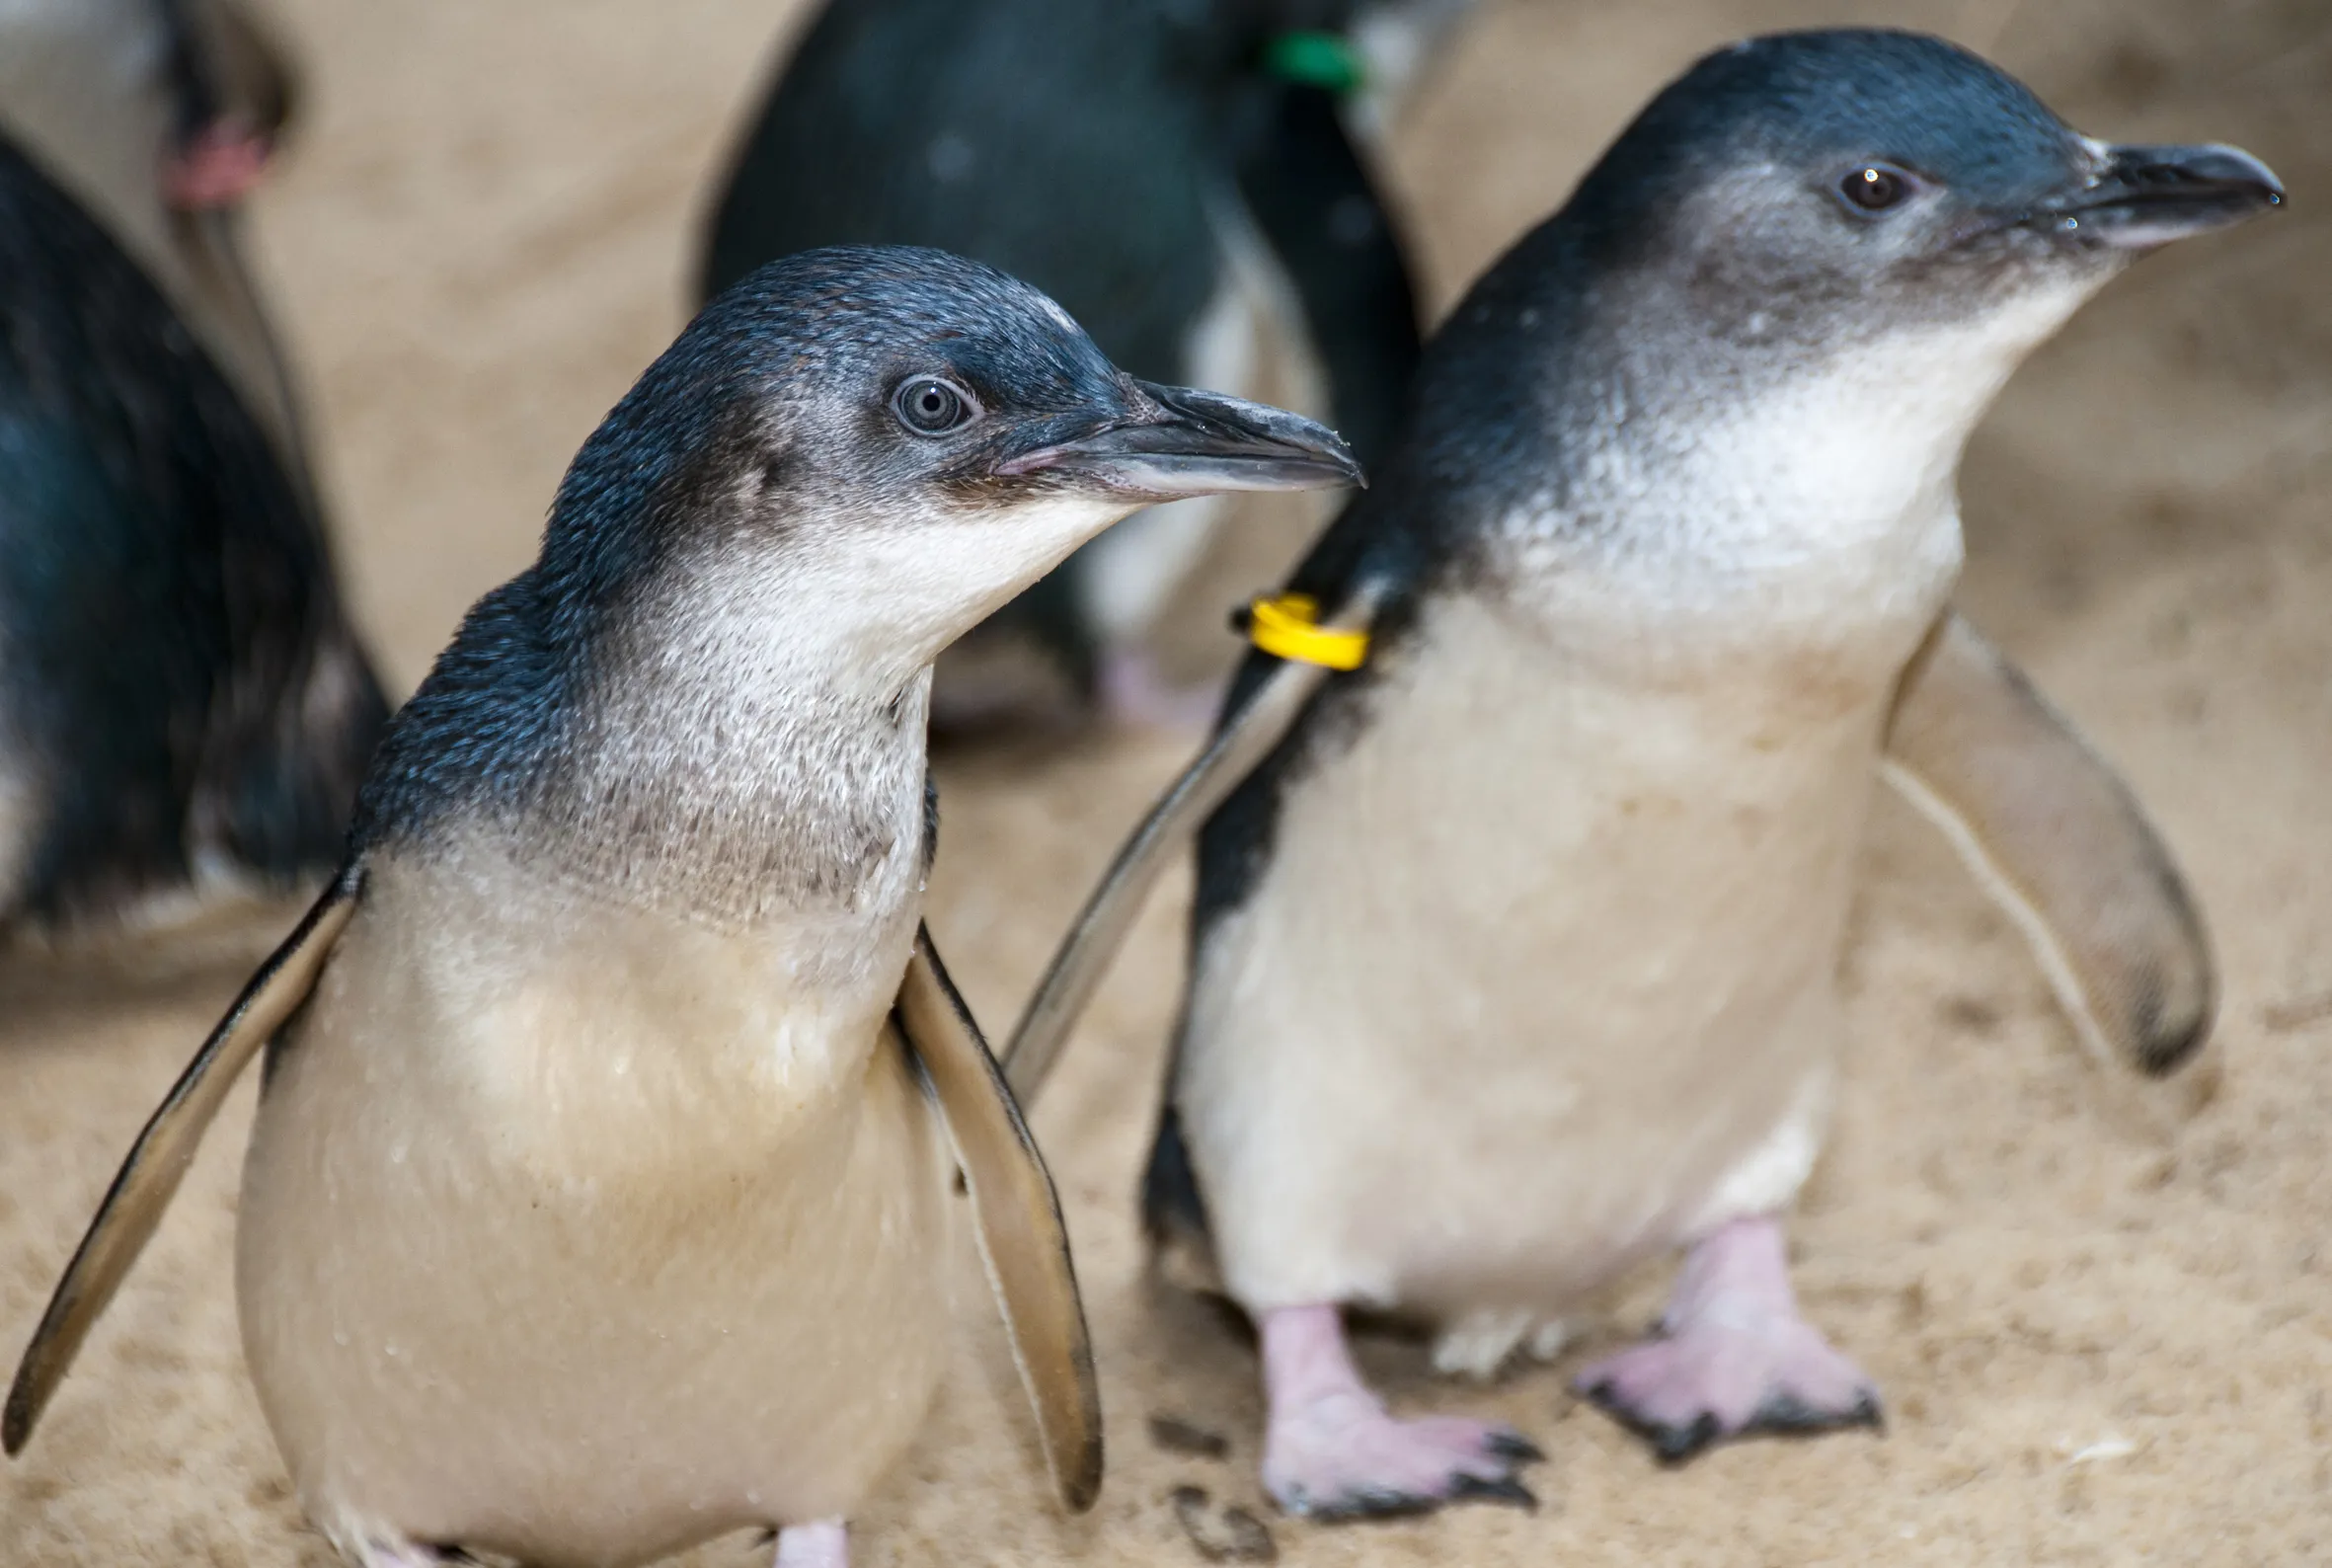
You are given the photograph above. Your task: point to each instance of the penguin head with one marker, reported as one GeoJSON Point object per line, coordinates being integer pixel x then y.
{"type": "Point", "coordinates": [1830, 187]}
{"type": "Point", "coordinates": [863, 451]}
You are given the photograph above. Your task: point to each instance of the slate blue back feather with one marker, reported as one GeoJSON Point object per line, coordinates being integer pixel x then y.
{"type": "Point", "coordinates": [181, 679]}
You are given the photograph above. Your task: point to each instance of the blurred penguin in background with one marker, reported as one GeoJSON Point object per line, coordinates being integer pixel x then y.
{"type": "Point", "coordinates": [182, 700]}
{"type": "Point", "coordinates": [1190, 178]}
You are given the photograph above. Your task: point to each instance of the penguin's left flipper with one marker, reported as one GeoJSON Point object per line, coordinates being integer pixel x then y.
{"type": "Point", "coordinates": [1258, 719]}
{"type": "Point", "coordinates": [2059, 839]}
{"type": "Point", "coordinates": [1021, 1238]}
{"type": "Point", "coordinates": [158, 1162]}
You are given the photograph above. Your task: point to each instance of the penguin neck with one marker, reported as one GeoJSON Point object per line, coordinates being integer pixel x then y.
{"type": "Point", "coordinates": [1677, 429]}
{"type": "Point", "coordinates": [727, 757]}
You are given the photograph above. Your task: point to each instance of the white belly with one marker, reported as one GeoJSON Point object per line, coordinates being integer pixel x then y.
{"type": "Point", "coordinates": [1539, 976]}
{"type": "Point", "coordinates": [585, 1241]}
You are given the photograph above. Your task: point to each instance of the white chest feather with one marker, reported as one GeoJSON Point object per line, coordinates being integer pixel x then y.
{"type": "Point", "coordinates": [582, 1233]}
{"type": "Point", "coordinates": [1539, 975]}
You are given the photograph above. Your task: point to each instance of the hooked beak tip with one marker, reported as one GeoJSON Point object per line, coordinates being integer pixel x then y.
{"type": "Point", "coordinates": [1182, 442]}
{"type": "Point", "coordinates": [2147, 196]}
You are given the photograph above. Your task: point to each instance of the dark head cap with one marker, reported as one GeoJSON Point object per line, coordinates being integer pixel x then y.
{"type": "Point", "coordinates": [1891, 173]}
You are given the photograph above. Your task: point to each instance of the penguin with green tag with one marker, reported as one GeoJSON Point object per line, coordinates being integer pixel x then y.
{"type": "Point", "coordinates": [1195, 181]}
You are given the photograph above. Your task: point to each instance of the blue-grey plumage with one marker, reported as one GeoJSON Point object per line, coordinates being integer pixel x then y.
{"type": "Point", "coordinates": [184, 700]}
{"type": "Point", "coordinates": [623, 982]}
{"type": "Point", "coordinates": [1514, 961]}
{"type": "Point", "coordinates": [1144, 164]}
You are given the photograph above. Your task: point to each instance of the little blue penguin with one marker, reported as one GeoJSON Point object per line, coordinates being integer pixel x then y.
{"type": "Point", "coordinates": [1190, 178]}
{"type": "Point", "coordinates": [597, 1198]}
{"type": "Point", "coordinates": [1513, 953]}
{"type": "Point", "coordinates": [184, 700]}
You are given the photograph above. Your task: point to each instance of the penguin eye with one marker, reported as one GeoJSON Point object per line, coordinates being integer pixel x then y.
{"type": "Point", "coordinates": [930, 406]}
{"type": "Point", "coordinates": [1876, 187]}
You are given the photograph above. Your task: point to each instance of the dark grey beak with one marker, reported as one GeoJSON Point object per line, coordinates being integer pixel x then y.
{"type": "Point", "coordinates": [2151, 195]}
{"type": "Point", "coordinates": [1179, 441]}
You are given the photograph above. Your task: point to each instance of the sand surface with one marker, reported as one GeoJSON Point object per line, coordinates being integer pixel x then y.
{"type": "Point", "coordinates": [2103, 1318]}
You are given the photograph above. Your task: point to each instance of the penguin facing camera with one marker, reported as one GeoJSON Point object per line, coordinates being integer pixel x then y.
{"type": "Point", "coordinates": [1523, 879]}
{"type": "Point", "coordinates": [623, 985]}
{"type": "Point", "coordinates": [1188, 177]}
{"type": "Point", "coordinates": [184, 702]}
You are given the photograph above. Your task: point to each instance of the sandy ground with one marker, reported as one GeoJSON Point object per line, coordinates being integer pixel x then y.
{"type": "Point", "coordinates": [2103, 1317]}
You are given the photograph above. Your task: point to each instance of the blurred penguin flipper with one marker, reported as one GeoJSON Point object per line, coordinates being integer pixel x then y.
{"type": "Point", "coordinates": [1260, 713]}
{"type": "Point", "coordinates": [150, 1178]}
{"type": "Point", "coordinates": [2061, 843]}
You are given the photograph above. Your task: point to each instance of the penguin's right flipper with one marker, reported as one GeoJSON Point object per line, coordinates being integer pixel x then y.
{"type": "Point", "coordinates": [157, 1163]}
{"type": "Point", "coordinates": [1260, 719]}
{"type": "Point", "coordinates": [1022, 1238]}
{"type": "Point", "coordinates": [2061, 843]}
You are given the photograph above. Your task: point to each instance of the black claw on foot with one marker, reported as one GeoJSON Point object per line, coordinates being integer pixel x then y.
{"type": "Point", "coordinates": [1506, 1489]}
{"type": "Point", "coordinates": [1381, 1503]}
{"type": "Point", "coordinates": [1374, 1504]}
{"type": "Point", "coordinates": [1675, 1444]}
{"type": "Point", "coordinates": [1786, 1415]}
{"type": "Point", "coordinates": [1514, 1448]}
{"type": "Point", "coordinates": [1783, 1415]}
{"type": "Point", "coordinates": [1671, 1444]}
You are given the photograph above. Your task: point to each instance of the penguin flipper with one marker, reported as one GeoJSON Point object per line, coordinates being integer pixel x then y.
{"type": "Point", "coordinates": [158, 1162]}
{"type": "Point", "coordinates": [1260, 720]}
{"type": "Point", "coordinates": [1022, 1238]}
{"type": "Point", "coordinates": [2061, 843]}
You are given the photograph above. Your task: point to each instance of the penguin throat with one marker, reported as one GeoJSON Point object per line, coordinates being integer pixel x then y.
{"type": "Point", "coordinates": [696, 791]}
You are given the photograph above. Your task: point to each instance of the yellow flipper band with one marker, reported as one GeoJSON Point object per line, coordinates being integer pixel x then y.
{"type": "Point", "coordinates": [1288, 627]}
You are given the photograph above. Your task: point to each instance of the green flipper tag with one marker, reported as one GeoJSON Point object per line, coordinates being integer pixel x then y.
{"type": "Point", "coordinates": [1312, 58]}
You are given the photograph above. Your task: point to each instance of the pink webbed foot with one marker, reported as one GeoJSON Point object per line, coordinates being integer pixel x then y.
{"type": "Point", "coordinates": [1733, 1357]}
{"type": "Point", "coordinates": [1333, 1452]}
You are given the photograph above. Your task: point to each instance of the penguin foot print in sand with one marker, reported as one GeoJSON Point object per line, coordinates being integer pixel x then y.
{"type": "Point", "coordinates": [1333, 1452]}
{"type": "Point", "coordinates": [1733, 1357]}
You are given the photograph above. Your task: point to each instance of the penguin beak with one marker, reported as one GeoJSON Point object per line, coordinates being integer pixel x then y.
{"type": "Point", "coordinates": [1173, 443]}
{"type": "Point", "coordinates": [2143, 196]}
